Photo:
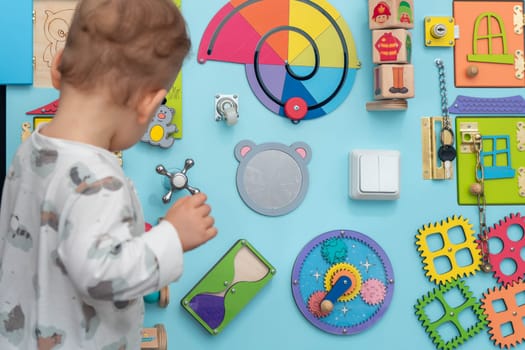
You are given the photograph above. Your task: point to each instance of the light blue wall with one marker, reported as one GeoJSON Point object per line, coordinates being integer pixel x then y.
{"type": "Point", "coordinates": [272, 320]}
{"type": "Point", "coordinates": [16, 35]}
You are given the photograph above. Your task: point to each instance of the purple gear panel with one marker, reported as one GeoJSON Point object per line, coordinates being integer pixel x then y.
{"type": "Point", "coordinates": [488, 105]}
{"type": "Point", "coordinates": [387, 271]}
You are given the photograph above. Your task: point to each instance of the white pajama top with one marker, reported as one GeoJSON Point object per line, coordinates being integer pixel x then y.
{"type": "Point", "coordinates": [75, 261]}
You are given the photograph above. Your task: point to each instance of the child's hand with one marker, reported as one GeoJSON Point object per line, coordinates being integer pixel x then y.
{"type": "Point", "coordinates": [191, 218]}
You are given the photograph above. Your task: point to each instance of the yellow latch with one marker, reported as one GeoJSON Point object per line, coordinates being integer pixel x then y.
{"type": "Point", "coordinates": [439, 31]}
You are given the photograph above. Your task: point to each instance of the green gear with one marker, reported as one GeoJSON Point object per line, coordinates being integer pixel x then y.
{"type": "Point", "coordinates": [334, 250]}
{"type": "Point", "coordinates": [451, 315]}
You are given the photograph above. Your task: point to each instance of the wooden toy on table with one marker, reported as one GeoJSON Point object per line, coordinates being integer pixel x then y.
{"type": "Point", "coordinates": [228, 287]}
{"type": "Point", "coordinates": [393, 74]}
{"type": "Point", "coordinates": [154, 338]}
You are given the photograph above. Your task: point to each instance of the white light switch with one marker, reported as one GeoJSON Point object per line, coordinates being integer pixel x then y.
{"type": "Point", "coordinates": [389, 173]}
{"type": "Point", "coordinates": [369, 180]}
{"type": "Point", "coordinates": [374, 174]}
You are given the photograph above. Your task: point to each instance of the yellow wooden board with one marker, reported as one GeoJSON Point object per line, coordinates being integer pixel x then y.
{"type": "Point", "coordinates": [174, 97]}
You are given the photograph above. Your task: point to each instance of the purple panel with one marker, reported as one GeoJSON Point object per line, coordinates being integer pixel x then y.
{"type": "Point", "coordinates": [488, 105]}
{"type": "Point", "coordinates": [210, 308]}
{"type": "Point", "coordinates": [273, 77]}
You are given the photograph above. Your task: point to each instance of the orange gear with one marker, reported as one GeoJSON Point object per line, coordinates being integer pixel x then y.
{"type": "Point", "coordinates": [513, 314]}
{"type": "Point", "coordinates": [314, 304]}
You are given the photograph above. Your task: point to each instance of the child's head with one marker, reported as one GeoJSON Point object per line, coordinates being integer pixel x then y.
{"type": "Point", "coordinates": [124, 47]}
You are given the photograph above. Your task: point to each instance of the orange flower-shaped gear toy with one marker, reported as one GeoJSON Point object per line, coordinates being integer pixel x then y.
{"type": "Point", "coordinates": [501, 307]}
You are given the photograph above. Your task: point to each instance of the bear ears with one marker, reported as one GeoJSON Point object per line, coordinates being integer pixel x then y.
{"type": "Point", "coordinates": [246, 148]}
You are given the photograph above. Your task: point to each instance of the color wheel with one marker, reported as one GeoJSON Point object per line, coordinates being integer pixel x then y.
{"type": "Point", "coordinates": [299, 55]}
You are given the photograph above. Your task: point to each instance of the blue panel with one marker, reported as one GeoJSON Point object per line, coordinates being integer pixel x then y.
{"type": "Point", "coordinates": [16, 36]}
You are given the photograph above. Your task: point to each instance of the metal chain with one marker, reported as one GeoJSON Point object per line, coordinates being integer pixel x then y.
{"type": "Point", "coordinates": [478, 189]}
{"type": "Point", "coordinates": [446, 152]}
{"type": "Point", "coordinates": [443, 92]}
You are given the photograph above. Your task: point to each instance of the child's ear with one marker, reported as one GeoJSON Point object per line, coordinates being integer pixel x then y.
{"type": "Point", "coordinates": [149, 104]}
{"type": "Point", "coordinates": [55, 73]}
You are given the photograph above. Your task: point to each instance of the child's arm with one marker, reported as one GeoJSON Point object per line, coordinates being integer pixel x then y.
{"type": "Point", "coordinates": [196, 229]}
{"type": "Point", "coordinates": [106, 254]}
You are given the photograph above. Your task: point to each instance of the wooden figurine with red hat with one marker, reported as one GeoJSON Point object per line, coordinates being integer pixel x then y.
{"type": "Point", "coordinates": [390, 21]}
{"type": "Point", "coordinates": [391, 14]}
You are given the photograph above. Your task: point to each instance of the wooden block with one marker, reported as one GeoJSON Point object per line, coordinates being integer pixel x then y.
{"type": "Point", "coordinates": [387, 105]}
{"type": "Point", "coordinates": [51, 27]}
{"type": "Point", "coordinates": [390, 14]}
{"type": "Point", "coordinates": [391, 46]}
{"type": "Point", "coordinates": [149, 339]}
{"type": "Point", "coordinates": [154, 338]}
{"type": "Point", "coordinates": [393, 81]}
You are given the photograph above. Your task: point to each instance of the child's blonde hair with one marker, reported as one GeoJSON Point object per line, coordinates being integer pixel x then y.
{"type": "Point", "coordinates": [124, 46]}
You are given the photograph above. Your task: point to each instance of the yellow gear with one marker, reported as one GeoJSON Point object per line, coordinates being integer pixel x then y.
{"type": "Point", "coordinates": [448, 250]}
{"type": "Point", "coordinates": [343, 269]}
